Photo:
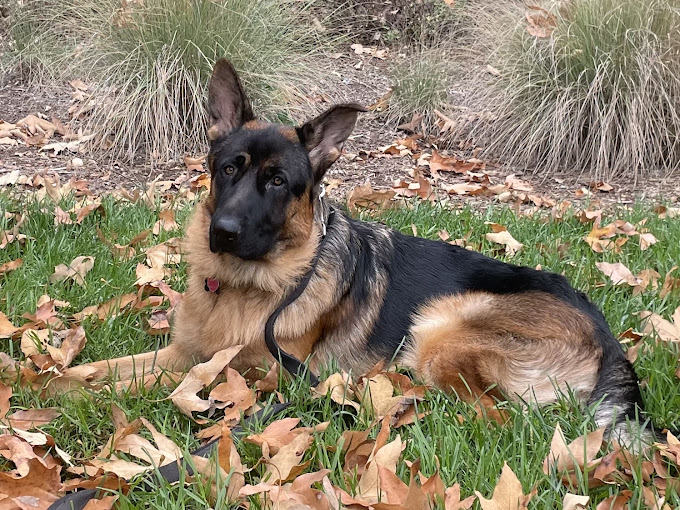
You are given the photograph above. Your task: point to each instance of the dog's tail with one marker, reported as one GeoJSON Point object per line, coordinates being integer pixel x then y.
{"type": "Point", "coordinates": [618, 403]}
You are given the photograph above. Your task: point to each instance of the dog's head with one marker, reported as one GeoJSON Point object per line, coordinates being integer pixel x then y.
{"type": "Point", "coordinates": [264, 176]}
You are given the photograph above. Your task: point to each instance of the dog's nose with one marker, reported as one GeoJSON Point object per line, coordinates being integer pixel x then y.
{"type": "Point", "coordinates": [227, 228]}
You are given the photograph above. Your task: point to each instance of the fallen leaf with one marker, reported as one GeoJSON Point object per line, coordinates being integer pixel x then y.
{"type": "Point", "coordinates": [569, 460]}
{"type": "Point", "coordinates": [512, 246]}
{"type": "Point", "coordinates": [75, 271]}
{"type": "Point", "coordinates": [37, 490]}
{"type": "Point", "coordinates": [338, 387]}
{"type": "Point", "coordinates": [10, 266]}
{"type": "Point", "coordinates": [149, 275]}
{"type": "Point", "coordinates": [166, 222]}
{"type": "Point", "coordinates": [453, 501]}
{"type": "Point", "coordinates": [507, 495]}
{"type": "Point", "coordinates": [615, 502]}
{"type": "Point", "coordinates": [7, 329]}
{"type": "Point", "coordinates": [34, 341]}
{"type": "Point", "coordinates": [670, 283]}
{"type": "Point", "coordinates": [285, 465]}
{"type": "Point", "coordinates": [31, 418]}
{"type": "Point", "coordinates": [647, 239]}
{"type": "Point", "coordinates": [618, 273]}
{"type": "Point", "coordinates": [71, 345]}
{"type": "Point", "coordinates": [230, 461]}
{"type": "Point", "coordinates": [185, 395]}
{"type": "Point", "coordinates": [195, 164]}
{"type": "Point", "coordinates": [574, 502]}
{"type": "Point", "coordinates": [654, 324]}
{"type": "Point", "coordinates": [105, 503]}
{"type": "Point", "coordinates": [542, 23]}
{"type": "Point", "coordinates": [365, 197]}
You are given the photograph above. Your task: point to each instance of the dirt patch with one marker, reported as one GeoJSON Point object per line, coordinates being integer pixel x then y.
{"type": "Point", "coordinates": [351, 78]}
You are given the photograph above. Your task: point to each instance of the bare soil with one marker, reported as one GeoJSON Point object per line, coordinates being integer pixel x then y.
{"type": "Point", "coordinates": [354, 78]}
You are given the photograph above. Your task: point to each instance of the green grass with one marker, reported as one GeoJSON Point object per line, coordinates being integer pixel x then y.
{"type": "Point", "coordinates": [598, 96]}
{"type": "Point", "coordinates": [471, 453]}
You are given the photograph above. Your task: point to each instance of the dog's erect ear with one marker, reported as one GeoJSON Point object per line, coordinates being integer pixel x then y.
{"type": "Point", "coordinates": [228, 106]}
{"type": "Point", "coordinates": [325, 135]}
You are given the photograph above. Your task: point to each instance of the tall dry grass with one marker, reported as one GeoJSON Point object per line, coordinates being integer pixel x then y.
{"type": "Point", "coordinates": [599, 96]}
{"type": "Point", "coordinates": [150, 62]}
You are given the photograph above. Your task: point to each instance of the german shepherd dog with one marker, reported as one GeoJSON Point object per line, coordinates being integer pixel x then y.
{"type": "Point", "coordinates": [458, 319]}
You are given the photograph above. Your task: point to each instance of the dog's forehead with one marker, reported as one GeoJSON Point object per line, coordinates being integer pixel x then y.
{"type": "Point", "coordinates": [262, 144]}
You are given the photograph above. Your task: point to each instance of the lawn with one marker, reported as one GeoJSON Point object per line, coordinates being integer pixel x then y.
{"type": "Point", "coordinates": [467, 450]}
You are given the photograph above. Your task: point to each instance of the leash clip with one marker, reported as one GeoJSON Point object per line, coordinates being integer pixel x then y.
{"type": "Point", "coordinates": [323, 219]}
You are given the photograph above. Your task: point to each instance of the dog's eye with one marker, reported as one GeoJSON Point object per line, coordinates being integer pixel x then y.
{"type": "Point", "coordinates": [277, 180]}
{"type": "Point", "coordinates": [229, 170]}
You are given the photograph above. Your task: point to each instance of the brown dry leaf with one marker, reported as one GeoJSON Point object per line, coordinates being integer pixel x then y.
{"type": "Point", "coordinates": [542, 23]}
{"type": "Point", "coordinates": [453, 501]}
{"type": "Point", "coordinates": [75, 271]}
{"type": "Point", "coordinates": [647, 277]}
{"type": "Point", "coordinates": [45, 315]}
{"type": "Point", "coordinates": [439, 163]}
{"type": "Point", "coordinates": [199, 182]}
{"type": "Point", "coordinates": [285, 465]}
{"type": "Point", "coordinates": [19, 452]}
{"type": "Point", "coordinates": [163, 254]}
{"type": "Point", "coordinates": [270, 382]}
{"type": "Point", "coordinates": [105, 503]}
{"type": "Point", "coordinates": [385, 456]}
{"type": "Point", "coordinates": [37, 490]}
{"type": "Point", "coordinates": [5, 395]}
{"type": "Point", "coordinates": [463, 188]}
{"type": "Point", "coordinates": [654, 324]}
{"type": "Point", "coordinates": [230, 461]}
{"type": "Point", "coordinates": [195, 164]}
{"type": "Point", "coordinates": [507, 495]}
{"type": "Point", "coordinates": [34, 341]}
{"type": "Point", "coordinates": [158, 323]}
{"type": "Point", "coordinates": [10, 266]}
{"type": "Point", "coordinates": [365, 197]}
{"type": "Point", "coordinates": [185, 395]}
{"type": "Point", "coordinates": [339, 387]}
{"type": "Point", "coordinates": [512, 246]}
{"type": "Point", "coordinates": [615, 502]}
{"type": "Point", "coordinates": [30, 418]}
{"type": "Point", "coordinates": [513, 182]}
{"type": "Point", "coordinates": [413, 125]}
{"type": "Point", "coordinates": [149, 275]}
{"type": "Point", "coordinates": [569, 460]}
{"type": "Point", "coordinates": [619, 273]}
{"type": "Point", "coordinates": [646, 240]}
{"type": "Point", "coordinates": [667, 212]}
{"type": "Point", "coordinates": [62, 217]}
{"type": "Point", "coordinates": [71, 345]}
{"type": "Point", "coordinates": [166, 222]}
{"type": "Point", "coordinates": [599, 239]}
{"type": "Point", "coordinates": [590, 216]}
{"type": "Point", "coordinates": [7, 329]}
{"type": "Point", "coordinates": [670, 283]}
{"type": "Point", "coordinates": [233, 394]}
{"type": "Point", "coordinates": [574, 502]}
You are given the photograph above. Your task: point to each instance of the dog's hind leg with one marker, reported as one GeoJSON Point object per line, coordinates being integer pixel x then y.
{"type": "Point", "coordinates": [530, 346]}
{"type": "Point", "coordinates": [168, 359]}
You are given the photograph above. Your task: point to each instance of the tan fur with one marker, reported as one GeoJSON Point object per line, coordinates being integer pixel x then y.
{"type": "Point", "coordinates": [528, 345]}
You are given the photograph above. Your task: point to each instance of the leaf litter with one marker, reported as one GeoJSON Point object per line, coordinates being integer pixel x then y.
{"type": "Point", "coordinates": [388, 398]}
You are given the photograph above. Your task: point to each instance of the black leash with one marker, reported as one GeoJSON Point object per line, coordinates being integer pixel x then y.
{"type": "Point", "coordinates": [293, 365]}
{"type": "Point", "coordinates": [170, 472]}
